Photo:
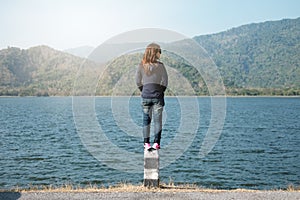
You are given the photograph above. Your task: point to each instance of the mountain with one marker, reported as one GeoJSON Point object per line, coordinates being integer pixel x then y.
{"type": "Point", "coordinates": [254, 59]}
{"type": "Point", "coordinates": [39, 71]}
{"type": "Point", "coordinates": [260, 55]}
{"type": "Point", "coordinates": [44, 71]}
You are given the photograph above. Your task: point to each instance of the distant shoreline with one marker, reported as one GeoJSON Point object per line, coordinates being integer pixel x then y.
{"type": "Point", "coordinates": [200, 96]}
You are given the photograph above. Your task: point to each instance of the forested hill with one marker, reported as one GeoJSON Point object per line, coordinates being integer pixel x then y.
{"type": "Point", "coordinates": [254, 59]}
{"type": "Point", "coordinates": [39, 71]}
{"type": "Point", "coordinates": [259, 55]}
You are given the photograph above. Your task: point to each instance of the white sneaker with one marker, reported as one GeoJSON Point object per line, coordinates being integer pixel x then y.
{"type": "Point", "coordinates": [156, 146]}
{"type": "Point", "coordinates": [147, 146]}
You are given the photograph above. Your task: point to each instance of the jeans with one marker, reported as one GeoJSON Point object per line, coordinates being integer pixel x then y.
{"type": "Point", "coordinates": [152, 108]}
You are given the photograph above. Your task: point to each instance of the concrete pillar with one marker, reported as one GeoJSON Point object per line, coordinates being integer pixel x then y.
{"type": "Point", "coordinates": [151, 168]}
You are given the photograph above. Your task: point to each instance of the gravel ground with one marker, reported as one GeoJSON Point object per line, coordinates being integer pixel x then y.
{"type": "Point", "coordinates": [224, 195]}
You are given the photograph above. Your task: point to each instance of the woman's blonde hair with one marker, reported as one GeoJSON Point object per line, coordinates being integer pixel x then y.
{"type": "Point", "coordinates": [150, 57]}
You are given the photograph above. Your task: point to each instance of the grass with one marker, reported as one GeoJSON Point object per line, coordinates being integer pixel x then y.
{"type": "Point", "coordinates": [121, 187]}
{"type": "Point", "coordinates": [125, 187]}
{"type": "Point", "coordinates": [292, 188]}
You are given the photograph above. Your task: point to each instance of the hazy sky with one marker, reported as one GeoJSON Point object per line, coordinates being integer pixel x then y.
{"type": "Point", "coordinates": [63, 24]}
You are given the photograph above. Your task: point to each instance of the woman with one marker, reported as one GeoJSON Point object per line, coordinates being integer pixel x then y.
{"type": "Point", "coordinates": [152, 80]}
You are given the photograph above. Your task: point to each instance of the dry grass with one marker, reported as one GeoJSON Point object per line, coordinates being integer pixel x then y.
{"type": "Point", "coordinates": [292, 188]}
{"type": "Point", "coordinates": [125, 187]}
{"type": "Point", "coordinates": [121, 187]}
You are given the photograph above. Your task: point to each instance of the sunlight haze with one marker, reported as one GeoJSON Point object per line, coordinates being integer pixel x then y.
{"type": "Point", "coordinates": [64, 24]}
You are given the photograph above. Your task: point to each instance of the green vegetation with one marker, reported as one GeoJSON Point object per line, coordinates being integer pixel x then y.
{"type": "Point", "coordinates": [258, 59]}
{"type": "Point", "coordinates": [254, 59]}
{"type": "Point", "coordinates": [38, 71]}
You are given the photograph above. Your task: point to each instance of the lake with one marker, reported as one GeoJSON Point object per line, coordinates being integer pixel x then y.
{"type": "Point", "coordinates": [61, 140]}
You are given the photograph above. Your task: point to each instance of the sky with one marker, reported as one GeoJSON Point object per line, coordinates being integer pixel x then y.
{"type": "Point", "coordinates": [64, 24]}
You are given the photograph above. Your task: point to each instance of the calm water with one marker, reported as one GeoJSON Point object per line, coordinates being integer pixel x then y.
{"type": "Point", "coordinates": [258, 149]}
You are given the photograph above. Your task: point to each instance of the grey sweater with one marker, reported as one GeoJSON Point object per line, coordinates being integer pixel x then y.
{"type": "Point", "coordinates": [153, 85]}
